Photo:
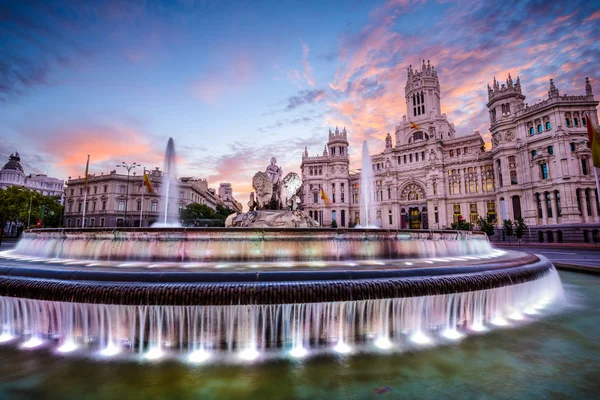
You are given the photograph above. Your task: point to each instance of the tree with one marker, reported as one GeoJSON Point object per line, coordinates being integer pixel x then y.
{"type": "Point", "coordinates": [334, 224]}
{"type": "Point", "coordinates": [462, 225]}
{"type": "Point", "coordinates": [507, 225]}
{"type": "Point", "coordinates": [20, 205]}
{"type": "Point", "coordinates": [197, 211]}
{"type": "Point", "coordinates": [202, 211]}
{"type": "Point", "coordinates": [520, 227]}
{"type": "Point", "coordinates": [486, 225]}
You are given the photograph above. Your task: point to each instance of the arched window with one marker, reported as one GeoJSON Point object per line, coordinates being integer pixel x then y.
{"type": "Point", "coordinates": [310, 170]}
{"type": "Point", "coordinates": [472, 187]}
{"type": "Point", "coordinates": [576, 121]}
{"type": "Point", "coordinates": [531, 130]}
{"type": "Point", "coordinates": [548, 126]}
{"type": "Point", "coordinates": [513, 177]}
{"type": "Point", "coordinates": [455, 188]}
{"type": "Point", "coordinates": [489, 183]}
{"type": "Point", "coordinates": [583, 121]}
{"type": "Point", "coordinates": [539, 128]}
{"type": "Point", "coordinates": [413, 195]}
{"type": "Point", "coordinates": [568, 121]}
{"type": "Point", "coordinates": [451, 153]}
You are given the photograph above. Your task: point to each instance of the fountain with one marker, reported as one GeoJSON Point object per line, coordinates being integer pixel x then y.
{"type": "Point", "coordinates": [169, 189]}
{"type": "Point", "coordinates": [240, 294]}
{"type": "Point", "coordinates": [366, 189]}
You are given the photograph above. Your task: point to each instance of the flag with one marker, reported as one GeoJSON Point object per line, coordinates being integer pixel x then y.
{"type": "Point", "coordinates": [413, 125]}
{"type": "Point", "coordinates": [594, 137]}
{"type": "Point", "coordinates": [324, 197]}
{"type": "Point", "coordinates": [147, 183]}
{"type": "Point", "coordinates": [87, 166]}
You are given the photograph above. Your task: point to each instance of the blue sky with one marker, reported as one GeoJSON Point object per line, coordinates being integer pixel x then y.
{"type": "Point", "coordinates": [235, 83]}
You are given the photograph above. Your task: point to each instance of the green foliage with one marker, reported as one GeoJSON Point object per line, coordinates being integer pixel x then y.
{"type": "Point", "coordinates": [16, 201]}
{"type": "Point", "coordinates": [486, 225]}
{"type": "Point", "coordinates": [520, 227]}
{"type": "Point", "coordinates": [352, 224]}
{"type": "Point", "coordinates": [507, 226]}
{"type": "Point", "coordinates": [462, 225]}
{"type": "Point", "coordinates": [334, 224]}
{"type": "Point", "coordinates": [202, 211]}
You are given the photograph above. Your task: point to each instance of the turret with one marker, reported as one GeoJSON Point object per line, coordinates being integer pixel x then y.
{"type": "Point", "coordinates": [504, 99]}
{"type": "Point", "coordinates": [338, 143]}
{"type": "Point", "coordinates": [422, 92]}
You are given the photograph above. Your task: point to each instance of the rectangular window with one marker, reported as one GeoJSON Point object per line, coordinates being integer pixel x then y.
{"type": "Point", "coordinates": [104, 205]}
{"type": "Point", "coordinates": [473, 214]}
{"type": "Point", "coordinates": [550, 150]}
{"type": "Point", "coordinates": [105, 188]}
{"type": "Point", "coordinates": [544, 170]}
{"type": "Point", "coordinates": [417, 157]}
{"type": "Point", "coordinates": [139, 206]}
{"type": "Point", "coordinates": [315, 198]}
{"type": "Point", "coordinates": [533, 154]}
{"type": "Point", "coordinates": [79, 207]}
{"type": "Point", "coordinates": [389, 190]}
{"type": "Point", "coordinates": [154, 206]}
{"type": "Point", "coordinates": [95, 189]}
{"type": "Point", "coordinates": [410, 157]}
{"type": "Point", "coordinates": [405, 159]}
{"type": "Point", "coordinates": [121, 206]}
{"type": "Point", "coordinates": [558, 207]}
{"type": "Point", "coordinates": [584, 166]}
{"type": "Point", "coordinates": [572, 145]}
{"type": "Point", "coordinates": [72, 192]}
{"type": "Point", "coordinates": [122, 189]}
{"type": "Point", "coordinates": [548, 204]}
{"type": "Point", "coordinates": [93, 206]}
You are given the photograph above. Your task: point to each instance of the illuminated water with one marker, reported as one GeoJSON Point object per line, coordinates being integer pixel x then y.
{"type": "Point", "coordinates": [367, 190]}
{"type": "Point", "coordinates": [554, 358]}
{"type": "Point", "coordinates": [169, 190]}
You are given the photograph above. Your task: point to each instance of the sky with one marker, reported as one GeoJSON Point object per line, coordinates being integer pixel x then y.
{"type": "Point", "coordinates": [238, 82]}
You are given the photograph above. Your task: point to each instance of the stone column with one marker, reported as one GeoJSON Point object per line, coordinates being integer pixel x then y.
{"type": "Point", "coordinates": [554, 207]}
{"type": "Point", "coordinates": [544, 209]}
{"type": "Point", "coordinates": [583, 205]}
{"type": "Point", "coordinates": [594, 205]}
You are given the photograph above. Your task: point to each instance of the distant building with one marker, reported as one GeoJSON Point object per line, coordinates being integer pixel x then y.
{"type": "Point", "coordinates": [12, 174]}
{"type": "Point", "coordinates": [109, 199]}
{"type": "Point", "coordinates": [539, 168]}
{"type": "Point", "coordinates": [226, 194]}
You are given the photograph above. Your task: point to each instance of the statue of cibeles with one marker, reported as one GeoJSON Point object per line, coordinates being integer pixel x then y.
{"type": "Point", "coordinates": [263, 187]}
{"type": "Point", "coordinates": [274, 172]}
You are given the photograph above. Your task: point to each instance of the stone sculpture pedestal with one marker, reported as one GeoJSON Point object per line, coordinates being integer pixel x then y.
{"type": "Point", "coordinates": [271, 219]}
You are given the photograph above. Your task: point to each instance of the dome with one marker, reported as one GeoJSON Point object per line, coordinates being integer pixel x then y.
{"type": "Point", "coordinates": [14, 163]}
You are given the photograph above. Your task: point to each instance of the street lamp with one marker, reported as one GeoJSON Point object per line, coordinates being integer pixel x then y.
{"type": "Point", "coordinates": [128, 168]}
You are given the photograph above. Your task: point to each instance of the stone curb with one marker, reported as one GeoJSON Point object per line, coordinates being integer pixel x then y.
{"type": "Point", "coordinates": [577, 268]}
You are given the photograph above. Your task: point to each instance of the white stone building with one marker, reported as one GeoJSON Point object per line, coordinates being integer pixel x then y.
{"type": "Point", "coordinates": [12, 174]}
{"type": "Point", "coordinates": [226, 195]}
{"type": "Point", "coordinates": [111, 203]}
{"type": "Point", "coordinates": [538, 169]}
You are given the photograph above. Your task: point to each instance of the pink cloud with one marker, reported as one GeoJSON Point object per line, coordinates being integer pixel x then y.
{"type": "Point", "coordinates": [225, 79]}
{"type": "Point", "coordinates": [308, 75]}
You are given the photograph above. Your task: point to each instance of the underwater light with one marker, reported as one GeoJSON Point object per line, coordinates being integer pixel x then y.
{"type": "Point", "coordinates": [383, 343]}
{"type": "Point", "coordinates": [452, 334]}
{"type": "Point", "coordinates": [420, 338]}
{"type": "Point", "coordinates": [249, 354]}
{"type": "Point", "coordinates": [342, 348]}
{"type": "Point", "coordinates": [154, 354]}
{"type": "Point", "coordinates": [32, 343]}
{"type": "Point", "coordinates": [298, 352]}
{"type": "Point", "coordinates": [198, 356]}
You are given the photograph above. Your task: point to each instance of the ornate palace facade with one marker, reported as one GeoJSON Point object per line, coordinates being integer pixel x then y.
{"type": "Point", "coordinates": [538, 168]}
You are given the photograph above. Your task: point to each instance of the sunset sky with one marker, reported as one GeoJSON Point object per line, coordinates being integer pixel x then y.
{"type": "Point", "coordinates": [235, 83]}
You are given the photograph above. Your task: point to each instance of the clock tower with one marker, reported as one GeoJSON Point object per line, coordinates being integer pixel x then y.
{"type": "Point", "coordinates": [422, 93]}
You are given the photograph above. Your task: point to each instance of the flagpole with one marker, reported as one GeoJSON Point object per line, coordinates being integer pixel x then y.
{"type": "Point", "coordinates": [85, 192]}
{"type": "Point", "coordinates": [143, 190]}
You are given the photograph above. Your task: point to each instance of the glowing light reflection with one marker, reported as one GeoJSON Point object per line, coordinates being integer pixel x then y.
{"type": "Point", "coordinates": [67, 347]}
{"type": "Point", "coordinates": [420, 338]}
{"type": "Point", "coordinates": [198, 356]}
{"type": "Point", "coordinates": [342, 348]}
{"type": "Point", "coordinates": [517, 316]}
{"type": "Point", "coordinates": [452, 334]}
{"type": "Point", "coordinates": [32, 343]}
{"type": "Point", "coordinates": [249, 354]}
{"type": "Point", "coordinates": [6, 337]}
{"type": "Point", "coordinates": [499, 321]}
{"type": "Point", "coordinates": [383, 343]}
{"type": "Point", "coordinates": [478, 327]}
{"type": "Point", "coordinates": [154, 354]}
{"type": "Point", "coordinates": [298, 352]}
{"type": "Point", "coordinates": [110, 350]}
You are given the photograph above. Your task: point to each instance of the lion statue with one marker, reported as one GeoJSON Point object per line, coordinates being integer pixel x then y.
{"type": "Point", "coordinates": [263, 187]}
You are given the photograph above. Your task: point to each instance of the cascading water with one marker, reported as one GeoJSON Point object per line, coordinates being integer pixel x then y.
{"type": "Point", "coordinates": [246, 332]}
{"type": "Point", "coordinates": [169, 189]}
{"type": "Point", "coordinates": [367, 190]}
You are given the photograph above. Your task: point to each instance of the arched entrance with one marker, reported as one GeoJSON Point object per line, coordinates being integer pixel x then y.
{"type": "Point", "coordinates": [413, 206]}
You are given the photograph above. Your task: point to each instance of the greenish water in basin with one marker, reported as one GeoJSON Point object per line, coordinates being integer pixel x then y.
{"type": "Point", "coordinates": [557, 357]}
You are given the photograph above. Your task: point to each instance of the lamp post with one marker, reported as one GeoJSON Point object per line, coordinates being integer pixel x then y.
{"type": "Point", "coordinates": [128, 168]}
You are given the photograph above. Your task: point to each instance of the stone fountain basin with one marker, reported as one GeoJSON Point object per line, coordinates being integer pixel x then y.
{"type": "Point", "coordinates": [247, 244]}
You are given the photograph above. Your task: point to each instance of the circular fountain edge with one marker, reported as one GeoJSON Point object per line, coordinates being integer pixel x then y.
{"type": "Point", "coordinates": [235, 288]}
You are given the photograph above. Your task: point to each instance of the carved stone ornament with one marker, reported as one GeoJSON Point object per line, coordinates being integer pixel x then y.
{"type": "Point", "coordinates": [496, 138]}
{"type": "Point", "coordinates": [509, 136]}
{"type": "Point", "coordinates": [411, 189]}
